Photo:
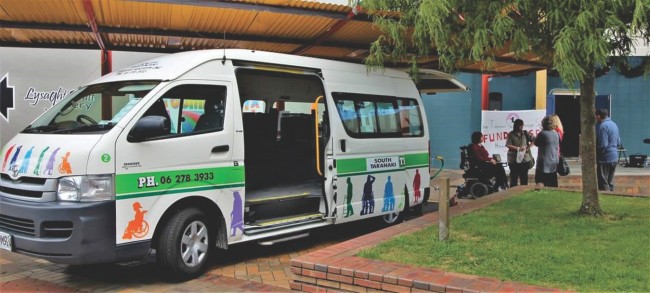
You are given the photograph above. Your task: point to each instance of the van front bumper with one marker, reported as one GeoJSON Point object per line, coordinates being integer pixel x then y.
{"type": "Point", "coordinates": [66, 232]}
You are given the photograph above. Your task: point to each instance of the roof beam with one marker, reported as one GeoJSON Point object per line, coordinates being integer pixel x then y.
{"type": "Point", "coordinates": [326, 34]}
{"type": "Point", "coordinates": [92, 21]}
{"type": "Point", "coordinates": [259, 7]}
{"type": "Point", "coordinates": [174, 33]}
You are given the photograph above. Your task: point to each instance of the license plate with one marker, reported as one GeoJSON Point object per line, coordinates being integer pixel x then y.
{"type": "Point", "coordinates": [6, 241]}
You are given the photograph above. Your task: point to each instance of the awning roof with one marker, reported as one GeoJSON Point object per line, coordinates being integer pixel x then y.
{"type": "Point", "coordinates": [306, 28]}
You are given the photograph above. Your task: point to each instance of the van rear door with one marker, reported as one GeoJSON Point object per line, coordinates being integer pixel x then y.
{"type": "Point", "coordinates": [433, 81]}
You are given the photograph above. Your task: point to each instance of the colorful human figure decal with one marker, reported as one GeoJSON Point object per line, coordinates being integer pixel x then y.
{"type": "Point", "coordinates": [348, 200]}
{"type": "Point", "coordinates": [236, 217]}
{"type": "Point", "coordinates": [26, 159]}
{"type": "Point", "coordinates": [4, 163]}
{"type": "Point", "coordinates": [50, 163]}
{"type": "Point", "coordinates": [64, 167]}
{"type": "Point", "coordinates": [416, 186]}
{"type": "Point", "coordinates": [137, 227]}
{"type": "Point", "coordinates": [389, 197]}
{"type": "Point", "coordinates": [37, 170]}
{"type": "Point", "coordinates": [368, 198]}
{"type": "Point", "coordinates": [12, 163]}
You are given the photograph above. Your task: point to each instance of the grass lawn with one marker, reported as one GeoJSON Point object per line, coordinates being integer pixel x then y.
{"type": "Point", "coordinates": [538, 238]}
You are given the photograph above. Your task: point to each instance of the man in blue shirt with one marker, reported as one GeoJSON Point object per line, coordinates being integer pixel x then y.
{"type": "Point", "coordinates": [607, 139]}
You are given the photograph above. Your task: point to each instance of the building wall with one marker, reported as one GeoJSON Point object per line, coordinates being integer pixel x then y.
{"type": "Point", "coordinates": [39, 78]}
{"type": "Point", "coordinates": [454, 116]}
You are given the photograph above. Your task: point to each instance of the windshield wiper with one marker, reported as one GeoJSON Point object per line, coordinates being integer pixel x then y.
{"type": "Point", "coordinates": [86, 128]}
{"type": "Point", "coordinates": [39, 129]}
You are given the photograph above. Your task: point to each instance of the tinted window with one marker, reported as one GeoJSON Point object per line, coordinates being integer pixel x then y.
{"type": "Point", "coordinates": [378, 116]}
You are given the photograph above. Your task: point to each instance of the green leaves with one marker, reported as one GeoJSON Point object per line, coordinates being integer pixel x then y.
{"type": "Point", "coordinates": [574, 35]}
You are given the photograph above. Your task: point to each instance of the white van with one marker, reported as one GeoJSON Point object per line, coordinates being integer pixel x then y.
{"type": "Point", "coordinates": [173, 157]}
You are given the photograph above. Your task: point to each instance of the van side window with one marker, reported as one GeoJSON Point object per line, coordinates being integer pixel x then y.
{"type": "Point", "coordinates": [410, 117]}
{"type": "Point", "coordinates": [192, 109]}
{"type": "Point", "coordinates": [373, 116]}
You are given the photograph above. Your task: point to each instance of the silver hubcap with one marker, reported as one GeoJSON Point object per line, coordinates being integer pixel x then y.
{"type": "Point", "coordinates": [391, 218]}
{"type": "Point", "coordinates": [194, 244]}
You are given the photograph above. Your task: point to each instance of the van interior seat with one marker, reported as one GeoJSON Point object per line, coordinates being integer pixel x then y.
{"type": "Point", "coordinates": [260, 147]}
{"type": "Point", "coordinates": [212, 117]}
{"type": "Point", "coordinates": [297, 147]}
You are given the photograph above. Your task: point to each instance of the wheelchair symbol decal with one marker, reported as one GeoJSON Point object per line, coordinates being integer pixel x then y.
{"type": "Point", "coordinates": [137, 227]}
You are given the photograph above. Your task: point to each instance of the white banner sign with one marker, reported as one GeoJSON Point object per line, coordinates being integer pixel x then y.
{"type": "Point", "coordinates": [495, 126]}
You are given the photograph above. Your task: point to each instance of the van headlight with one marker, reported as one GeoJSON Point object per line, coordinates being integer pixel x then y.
{"type": "Point", "coordinates": [86, 188]}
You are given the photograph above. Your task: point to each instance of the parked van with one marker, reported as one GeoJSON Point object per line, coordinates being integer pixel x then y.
{"type": "Point", "coordinates": [176, 156]}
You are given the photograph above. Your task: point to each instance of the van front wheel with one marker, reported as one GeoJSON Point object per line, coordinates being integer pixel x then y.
{"type": "Point", "coordinates": [183, 247]}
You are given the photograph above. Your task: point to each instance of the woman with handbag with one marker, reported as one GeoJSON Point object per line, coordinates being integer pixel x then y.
{"type": "Point", "coordinates": [520, 159]}
{"type": "Point", "coordinates": [548, 142]}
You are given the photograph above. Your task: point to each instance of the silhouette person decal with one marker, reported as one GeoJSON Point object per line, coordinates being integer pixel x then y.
{"type": "Point", "coordinates": [416, 186]}
{"type": "Point", "coordinates": [50, 163]}
{"type": "Point", "coordinates": [389, 196]}
{"type": "Point", "coordinates": [236, 217]}
{"type": "Point", "coordinates": [137, 227]}
{"type": "Point", "coordinates": [26, 159]}
{"type": "Point", "coordinates": [348, 200]}
{"type": "Point", "coordinates": [37, 170]}
{"type": "Point", "coordinates": [368, 198]}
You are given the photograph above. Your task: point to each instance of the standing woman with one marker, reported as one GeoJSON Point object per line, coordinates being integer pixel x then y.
{"type": "Point", "coordinates": [548, 142]}
{"type": "Point", "coordinates": [556, 124]}
{"type": "Point", "coordinates": [518, 140]}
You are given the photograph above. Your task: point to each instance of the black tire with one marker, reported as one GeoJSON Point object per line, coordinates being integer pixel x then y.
{"type": "Point", "coordinates": [184, 245]}
{"type": "Point", "coordinates": [392, 218]}
{"type": "Point", "coordinates": [478, 189]}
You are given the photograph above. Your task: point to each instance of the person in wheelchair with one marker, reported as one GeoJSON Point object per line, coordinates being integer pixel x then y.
{"type": "Point", "coordinates": [487, 166]}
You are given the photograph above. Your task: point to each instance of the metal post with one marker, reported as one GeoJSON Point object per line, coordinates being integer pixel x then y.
{"type": "Point", "coordinates": [443, 211]}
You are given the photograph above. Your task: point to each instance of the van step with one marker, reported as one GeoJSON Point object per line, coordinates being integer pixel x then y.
{"type": "Point", "coordinates": [282, 223]}
{"type": "Point", "coordinates": [283, 238]}
{"type": "Point", "coordinates": [256, 201]}
{"type": "Point", "coordinates": [286, 206]}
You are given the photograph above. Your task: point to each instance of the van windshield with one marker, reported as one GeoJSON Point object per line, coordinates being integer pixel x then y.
{"type": "Point", "coordinates": [95, 108]}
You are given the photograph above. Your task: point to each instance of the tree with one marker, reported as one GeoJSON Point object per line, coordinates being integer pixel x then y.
{"type": "Point", "coordinates": [573, 36]}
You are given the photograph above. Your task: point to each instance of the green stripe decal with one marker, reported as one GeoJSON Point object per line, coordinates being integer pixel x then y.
{"type": "Point", "coordinates": [171, 182]}
{"type": "Point", "coordinates": [351, 165]}
{"type": "Point", "coordinates": [419, 160]}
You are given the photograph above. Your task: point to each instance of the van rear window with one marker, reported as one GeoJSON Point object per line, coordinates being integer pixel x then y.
{"type": "Point", "coordinates": [373, 116]}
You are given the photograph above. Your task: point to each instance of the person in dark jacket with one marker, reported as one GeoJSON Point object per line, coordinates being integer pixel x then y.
{"type": "Point", "coordinates": [607, 139]}
{"type": "Point", "coordinates": [481, 157]}
{"type": "Point", "coordinates": [519, 140]}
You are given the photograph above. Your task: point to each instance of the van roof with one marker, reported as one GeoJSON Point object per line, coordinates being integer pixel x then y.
{"type": "Point", "coordinates": [172, 66]}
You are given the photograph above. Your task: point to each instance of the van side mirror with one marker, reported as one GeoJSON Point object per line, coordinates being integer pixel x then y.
{"type": "Point", "coordinates": [148, 127]}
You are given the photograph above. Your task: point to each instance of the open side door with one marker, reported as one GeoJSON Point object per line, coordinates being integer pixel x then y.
{"type": "Point", "coordinates": [434, 81]}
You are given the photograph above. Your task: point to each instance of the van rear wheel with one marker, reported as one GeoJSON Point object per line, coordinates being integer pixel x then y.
{"type": "Point", "coordinates": [184, 245]}
{"type": "Point", "coordinates": [391, 218]}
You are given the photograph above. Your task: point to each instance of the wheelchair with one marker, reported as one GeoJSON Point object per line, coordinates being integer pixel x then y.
{"type": "Point", "coordinates": [477, 182]}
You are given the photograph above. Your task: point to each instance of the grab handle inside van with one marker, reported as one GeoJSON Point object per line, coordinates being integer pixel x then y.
{"type": "Point", "coordinates": [314, 107]}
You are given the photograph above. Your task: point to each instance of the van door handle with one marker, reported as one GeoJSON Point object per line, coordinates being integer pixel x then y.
{"type": "Point", "coordinates": [221, 149]}
{"type": "Point", "coordinates": [342, 142]}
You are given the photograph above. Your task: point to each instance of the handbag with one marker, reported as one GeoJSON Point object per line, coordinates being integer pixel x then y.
{"type": "Point", "coordinates": [529, 159]}
{"type": "Point", "coordinates": [563, 167]}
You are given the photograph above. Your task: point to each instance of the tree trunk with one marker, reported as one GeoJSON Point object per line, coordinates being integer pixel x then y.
{"type": "Point", "coordinates": [590, 204]}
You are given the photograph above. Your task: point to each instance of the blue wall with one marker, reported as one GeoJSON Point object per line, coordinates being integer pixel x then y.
{"type": "Point", "coordinates": [454, 116]}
